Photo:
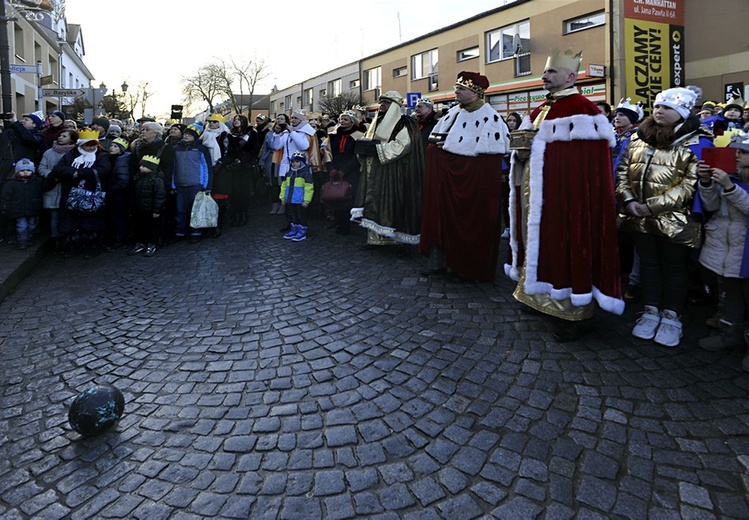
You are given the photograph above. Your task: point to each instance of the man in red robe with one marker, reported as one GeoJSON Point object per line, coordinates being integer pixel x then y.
{"type": "Point", "coordinates": [567, 218]}
{"type": "Point", "coordinates": [461, 213]}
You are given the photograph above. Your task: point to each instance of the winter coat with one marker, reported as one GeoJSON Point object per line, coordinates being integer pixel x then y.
{"type": "Point", "coordinates": [51, 197]}
{"type": "Point", "coordinates": [191, 165]}
{"type": "Point", "coordinates": [16, 143]}
{"type": "Point", "coordinates": [664, 179]}
{"type": "Point", "coordinates": [725, 232]}
{"type": "Point", "coordinates": [120, 178]}
{"type": "Point", "coordinates": [149, 192]}
{"type": "Point", "coordinates": [266, 155]}
{"type": "Point", "coordinates": [297, 186]}
{"type": "Point", "coordinates": [22, 197]}
{"type": "Point", "coordinates": [50, 135]}
{"type": "Point", "coordinates": [64, 170]}
{"type": "Point", "coordinates": [289, 142]}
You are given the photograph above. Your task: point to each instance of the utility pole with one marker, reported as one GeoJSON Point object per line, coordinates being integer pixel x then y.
{"type": "Point", "coordinates": [7, 97]}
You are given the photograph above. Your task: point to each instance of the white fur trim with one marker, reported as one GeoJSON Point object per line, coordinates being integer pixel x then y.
{"type": "Point", "coordinates": [565, 129]}
{"type": "Point", "coordinates": [389, 232]}
{"type": "Point", "coordinates": [481, 132]}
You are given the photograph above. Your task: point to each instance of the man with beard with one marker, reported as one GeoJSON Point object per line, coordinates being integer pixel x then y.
{"type": "Point", "coordinates": [563, 231]}
{"type": "Point", "coordinates": [392, 160]}
{"type": "Point", "coordinates": [463, 185]}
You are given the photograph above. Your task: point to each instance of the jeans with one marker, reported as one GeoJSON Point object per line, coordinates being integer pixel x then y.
{"type": "Point", "coordinates": [664, 271]}
{"type": "Point", "coordinates": [185, 199]}
{"type": "Point", "coordinates": [25, 226]}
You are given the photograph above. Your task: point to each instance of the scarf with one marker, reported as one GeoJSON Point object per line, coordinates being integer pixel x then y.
{"type": "Point", "coordinates": [210, 140]}
{"type": "Point", "coordinates": [62, 148]}
{"type": "Point", "coordinates": [85, 160]}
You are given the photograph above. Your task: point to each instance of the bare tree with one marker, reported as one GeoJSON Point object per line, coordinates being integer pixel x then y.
{"type": "Point", "coordinates": [205, 84]}
{"type": "Point", "coordinates": [250, 75]}
{"type": "Point", "coordinates": [334, 106]}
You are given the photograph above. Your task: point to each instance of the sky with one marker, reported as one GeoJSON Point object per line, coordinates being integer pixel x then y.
{"type": "Point", "coordinates": [161, 41]}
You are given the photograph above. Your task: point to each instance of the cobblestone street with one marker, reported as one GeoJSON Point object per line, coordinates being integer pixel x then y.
{"type": "Point", "coordinates": [270, 379]}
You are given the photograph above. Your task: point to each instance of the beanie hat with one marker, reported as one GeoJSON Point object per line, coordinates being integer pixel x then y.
{"type": "Point", "coordinates": [680, 99]}
{"type": "Point", "coordinates": [102, 122]}
{"type": "Point", "coordinates": [150, 162]}
{"type": "Point", "coordinates": [194, 130]}
{"type": "Point", "coordinates": [114, 128]}
{"type": "Point", "coordinates": [24, 165]}
{"type": "Point", "coordinates": [299, 156]}
{"type": "Point", "coordinates": [58, 114]}
{"type": "Point", "coordinates": [38, 122]}
{"type": "Point", "coordinates": [299, 115]}
{"type": "Point", "coordinates": [122, 143]}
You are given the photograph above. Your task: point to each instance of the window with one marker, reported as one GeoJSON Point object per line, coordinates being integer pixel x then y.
{"type": "Point", "coordinates": [287, 101]}
{"type": "Point", "coordinates": [400, 71]}
{"type": "Point", "coordinates": [584, 22]}
{"type": "Point", "coordinates": [373, 78]}
{"type": "Point", "coordinates": [424, 64]}
{"type": "Point", "coordinates": [335, 87]}
{"type": "Point", "coordinates": [308, 96]}
{"type": "Point", "coordinates": [503, 43]}
{"type": "Point", "coordinates": [20, 52]}
{"type": "Point", "coordinates": [354, 83]}
{"type": "Point", "coordinates": [522, 64]}
{"type": "Point", "coordinates": [468, 54]}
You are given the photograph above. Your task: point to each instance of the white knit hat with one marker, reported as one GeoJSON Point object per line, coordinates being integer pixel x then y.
{"type": "Point", "coordinates": [680, 99]}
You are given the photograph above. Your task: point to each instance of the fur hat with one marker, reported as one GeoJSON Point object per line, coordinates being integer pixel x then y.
{"type": "Point", "coordinates": [25, 165]}
{"type": "Point", "coordinates": [680, 99]}
{"type": "Point", "coordinates": [473, 81]}
{"type": "Point", "coordinates": [150, 162]}
{"type": "Point", "coordinates": [122, 143]}
{"type": "Point", "coordinates": [633, 112]}
{"type": "Point", "coordinates": [102, 122]}
{"type": "Point", "coordinates": [194, 130]}
{"type": "Point", "coordinates": [299, 156]}
{"type": "Point", "coordinates": [38, 121]}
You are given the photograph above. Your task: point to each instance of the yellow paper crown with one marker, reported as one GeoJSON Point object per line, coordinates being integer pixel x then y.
{"type": "Point", "coordinates": [735, 101]}
{"type": "Point", "coordinates": [87, 135]}
{"type": "Point", "coordinates": [151, 159]}
{"type": "Point", "coordinates": [216, 117]}
{"type": "Point", "coordinates": [567, 59]}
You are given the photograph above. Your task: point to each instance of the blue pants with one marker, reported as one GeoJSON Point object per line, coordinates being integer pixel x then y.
{"type": "Point", "coordinates": [25, 226]}
{"type": "Point", "coordinates": [185, 199]}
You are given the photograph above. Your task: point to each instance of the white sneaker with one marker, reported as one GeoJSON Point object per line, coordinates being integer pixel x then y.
{"type": "Point", "coordinates": [647, 323]}
{"type": "Point", "coordinates": [669, 331]}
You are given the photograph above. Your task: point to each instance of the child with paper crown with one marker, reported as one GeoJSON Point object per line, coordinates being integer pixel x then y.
{"type": "Point", "coordinates": [150, 196]}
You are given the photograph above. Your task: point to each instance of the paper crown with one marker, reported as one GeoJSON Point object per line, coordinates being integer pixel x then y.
{"type": "Point", "coordinates": [352, 114]}
{"type": "Point", "coordinates": [88, 135]}
{"type": "Point", "coordinates": [737, 102]}
{"type": "Point", "coordinates": [473, 81]}
{"type": "Point", "coordinates": [425, 101]}
{"type": "Point", "coordinates": [358, 108]}
{"type": "Point", "coordinates": [122, 143]}
{"type": "Point", "coordinates": [216, 117]}
{"type": "Point", "coordinates": [567, 60]}
{"type": "Point", "coordinates": [151, 159]}
{"type": "Point", "coordinates": [632, 111]}
{"type": "Point", "coordinates": [740, 141]}
{"type": "Point", "coordinates": [299, 156]}
{"type": "Point", "coordinates": [680, 99]}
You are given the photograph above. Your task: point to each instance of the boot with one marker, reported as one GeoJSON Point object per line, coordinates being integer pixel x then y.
{"type": "Point", "coordinates": [292, 231]}
{"type": "Point", "coordinates": [274, 208]}
{"type": "Point", "coordinates": [669, 331]}
{"type": "Point", "coordinates": [300, 235]}
{"type": "Point", "coordinates": [730, 336]}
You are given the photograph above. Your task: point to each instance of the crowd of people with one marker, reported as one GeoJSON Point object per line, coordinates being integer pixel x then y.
{"type": "Point", "coordinates": [578, 189]}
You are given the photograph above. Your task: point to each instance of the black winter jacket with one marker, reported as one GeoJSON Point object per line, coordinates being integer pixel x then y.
{"type": "Point", "coordinates": [22, 197]}
{"type": "Point", "coordinates": [149, 192]}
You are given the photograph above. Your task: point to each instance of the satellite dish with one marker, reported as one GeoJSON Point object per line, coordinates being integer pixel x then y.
{"type": "Point", "coordinates": [517, 44]}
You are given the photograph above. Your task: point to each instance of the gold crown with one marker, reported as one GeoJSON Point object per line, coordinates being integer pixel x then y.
{"type": "Point", "coordinates": [88, 134]}
{"type": "Point", "coordinates": [735, 101]}
{"type": "Point", "coordinates": [151, 159]}
{"type": "Point", "coordinates": [567, 59]}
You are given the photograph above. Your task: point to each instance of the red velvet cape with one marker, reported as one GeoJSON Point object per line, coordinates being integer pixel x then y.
{"type": "Point", "coordinates": [461, 211]}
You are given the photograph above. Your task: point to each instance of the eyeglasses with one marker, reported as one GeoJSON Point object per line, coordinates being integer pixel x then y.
{"type": "Point", "coordinates": [213, 122]}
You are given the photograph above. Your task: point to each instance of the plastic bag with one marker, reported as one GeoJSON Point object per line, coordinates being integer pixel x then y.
{"type": "Point", "coordinates": [204, 211]}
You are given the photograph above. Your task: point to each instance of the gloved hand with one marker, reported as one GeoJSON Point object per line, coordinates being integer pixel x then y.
{"type": "Point", "coordinates": [366, 147]}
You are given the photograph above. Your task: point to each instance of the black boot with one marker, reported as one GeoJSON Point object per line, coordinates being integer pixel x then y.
{"type": "Point", "coordinates": [573, 330]}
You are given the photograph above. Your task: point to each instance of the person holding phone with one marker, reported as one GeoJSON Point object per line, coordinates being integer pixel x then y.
{"type": "Point", "coordinates": [726, 195]}
{"type": "Point", "coordinates": [655, 184]}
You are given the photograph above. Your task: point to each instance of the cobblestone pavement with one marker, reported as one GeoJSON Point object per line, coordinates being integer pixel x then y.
{"type": "Point", "coordinates": [269, 379]}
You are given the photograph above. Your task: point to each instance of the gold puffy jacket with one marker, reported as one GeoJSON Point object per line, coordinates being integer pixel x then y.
{"type": "Point", "coordinates": [665, 180]}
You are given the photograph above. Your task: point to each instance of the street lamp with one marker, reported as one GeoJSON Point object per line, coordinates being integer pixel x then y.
{"type": "Point", "coordinates": [124, 86]}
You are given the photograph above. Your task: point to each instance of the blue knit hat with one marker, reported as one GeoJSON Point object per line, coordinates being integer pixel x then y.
{"type": "Point", "coordinates": [38, 122]}
{"type": "Point", "coordinates": [299, 156]}
{"type": "Point", "coordinates": [25, 164]}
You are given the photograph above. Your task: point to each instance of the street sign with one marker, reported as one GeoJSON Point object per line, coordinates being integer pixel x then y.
{"type": "Point", "coordinates": [63, 92]}
{"type": "Point", "coordinates": [47, 80]}
{"type": "Point", "coordinates": [412, 98]}
{"type": "Point", "coordinates": [24, 69]}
